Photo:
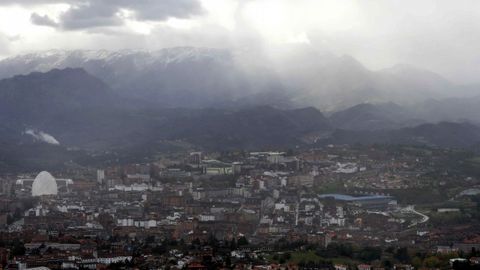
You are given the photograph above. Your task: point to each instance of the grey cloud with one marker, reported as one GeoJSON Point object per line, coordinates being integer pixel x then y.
{"type": "Point", "coordinates": [85, 14]}
{"type": "Point", "coordinates": [37, 19]}
{"type": "Point", "coordinates": [161, 10]}
{"type": "Point", "coordinates": [90, 15]}
{"type": "Point", "coordinates": [31, 2]}
{"type": "Point", "coordinates": [440, 35]}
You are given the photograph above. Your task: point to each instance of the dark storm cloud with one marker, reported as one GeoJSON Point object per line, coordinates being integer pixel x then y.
{"type": "Point", "coordinates": [94, 14]}
{"type": "Point", "coordinates": [42, 20]}
{"type": "Point", "coordinates": [85, 14]}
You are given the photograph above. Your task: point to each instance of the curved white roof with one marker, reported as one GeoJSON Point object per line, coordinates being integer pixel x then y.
{"type": "Point", "coordinates": [44, 184]}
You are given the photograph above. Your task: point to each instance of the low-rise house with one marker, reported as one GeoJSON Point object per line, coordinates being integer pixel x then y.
{"type": "Point", "coordinates": [364, 267]}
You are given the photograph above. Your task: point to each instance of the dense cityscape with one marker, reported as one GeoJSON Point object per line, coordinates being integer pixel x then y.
{"type": "Point", "coordinates": [239, 134]}
{"type": "Point", "coordinates": [342, 207]}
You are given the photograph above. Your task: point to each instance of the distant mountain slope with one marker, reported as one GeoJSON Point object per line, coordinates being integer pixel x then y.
{"type": "Point", "coordinates": [367, 116]}
{"type": "Point", "coordinates": [70, 104]}
{"type": "Point", "coordinates": [444, 134]}
{"type": "Point", "coordinates": [449, 109]}
{"type": "Point", "coordinates": [333, 83]}
{"type": "Point", "coordinates": [248, 128]}
{"type": "Point", "coordinates": [79, 110]}
{"type": "Point", "coordinates": [36, 96]}
{"type": "Point", "coordinates": [408, 84]}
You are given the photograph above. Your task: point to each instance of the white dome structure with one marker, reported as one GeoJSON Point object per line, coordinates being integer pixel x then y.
{"type": "Point", "coordinates": [44, 184]}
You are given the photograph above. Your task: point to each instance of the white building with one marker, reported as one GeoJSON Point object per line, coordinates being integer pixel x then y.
{"type": "Point", "coordinates": [44, 184]}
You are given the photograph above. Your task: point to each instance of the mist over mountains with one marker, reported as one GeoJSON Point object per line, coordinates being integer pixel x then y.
{"type": "Point", "coordinates": [203, 77]}
{"type": "Point", "coordinates": [177, 77]}
{"type": "Point", "coordinates": [135, 103]}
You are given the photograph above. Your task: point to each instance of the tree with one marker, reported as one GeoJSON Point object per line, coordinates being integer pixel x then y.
{"type": "Point", "coordinates": [275, 257]}
{"type": "Point", "coordinates": [212, 241]}
{"type": "Point", "coordinates": [150, 239]}
{"type": "Point", "coordinates": [228, 261]}
{"type": "Point", "coordinates": [18, 248]}
{"type": "Point", "coordinates": [417, 262]}
{"type": "Point", "coordinates": [196, 242]}
{"type": "Point", "coordinates": [387, 264]}
{"type": "Point", "coordinates": [159, 250]}
{"type": "Point", "coordinates": [242, 241]}
{"type": "Point", "coordinates": [459, 265]}
{"type": "Point", "coordinates": [370, 254]}
{"type": "Point", "coordinates": [432, 262]}
{"type": "Point", "coordinates": [402, 255]}
{"type": "Point", "coordinates": [233, 244]}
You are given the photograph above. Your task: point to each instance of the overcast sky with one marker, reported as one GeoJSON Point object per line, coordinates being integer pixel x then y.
{"type": "Point", "coordinates": [440, 35]}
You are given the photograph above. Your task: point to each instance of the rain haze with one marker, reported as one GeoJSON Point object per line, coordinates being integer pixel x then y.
{"type": "Point", "coordinates": [240, 134]}
{"type": "Point", "coordinates": [438, 35]}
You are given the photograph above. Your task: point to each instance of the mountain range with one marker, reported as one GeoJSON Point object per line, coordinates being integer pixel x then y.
{"type": "Point", "coordinates": [170, 78]}
{"type": "Point", "coordinates": [70, 115]}
{"type": "Point", "coordinates": [204, 77]}
{"type": "Point", "coordinates": [81, 111]}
